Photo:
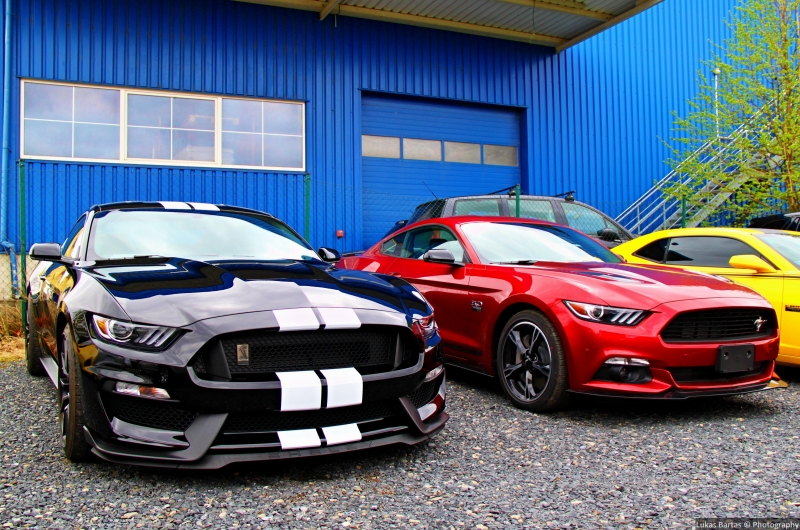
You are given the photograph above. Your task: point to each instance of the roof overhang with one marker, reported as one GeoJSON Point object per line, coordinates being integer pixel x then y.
{"type": "Point", "coordinates": [557, 24]}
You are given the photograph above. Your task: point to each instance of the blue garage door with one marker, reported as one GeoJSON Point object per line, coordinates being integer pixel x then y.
{"type": "Point", "coordinates": [415, 149]}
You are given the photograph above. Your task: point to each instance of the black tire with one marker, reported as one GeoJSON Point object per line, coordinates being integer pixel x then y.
{"type": "Point", "coordinates": [33, 350]}
{"type": "Point", "coordinates": [531, 364]}
{"type": "Point", "coordinates": [71, 401]}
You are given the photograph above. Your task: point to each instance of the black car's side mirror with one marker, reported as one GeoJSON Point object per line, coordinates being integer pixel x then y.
{"type": "Point", "coordinates": [608, 234]}
{"type": "Point", "coordinates": [331, 255]}
{"type": "Point", "coordinates": [47, 252]}
{"type": "Point", "coordinates": [441, 255]}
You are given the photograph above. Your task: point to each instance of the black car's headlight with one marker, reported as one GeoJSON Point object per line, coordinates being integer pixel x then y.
{"type": "Point", "coordinates": [424, 327]}
{"type": "Point", "coordinates": [606, 315]}
{"type": "Point", "coordinates": [129, 334]}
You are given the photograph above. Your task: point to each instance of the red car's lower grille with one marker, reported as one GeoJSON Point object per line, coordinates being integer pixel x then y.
{"type": "Point", "coordinates": [719, 325]}
{"type": "Point", "coordinates": [698, 374]}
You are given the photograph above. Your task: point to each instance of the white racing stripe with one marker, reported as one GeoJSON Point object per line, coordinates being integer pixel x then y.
{"type": "Point", "coordinates": [339, 318]}
{"type": "Point", "coordinates": [345, 387]}
{"type": "Point", "coordinates": [300, 390]}
{"type": "Point", "coordinates": [203, 206]}
{"type": "Point", "coordinates": [300, 439]}
{"type": "Point", "coordinates": [172, 205]}
{"type": "Point", "coordinates": [296, 319]}
{"type": "Point", "coordinates": [341, 434]}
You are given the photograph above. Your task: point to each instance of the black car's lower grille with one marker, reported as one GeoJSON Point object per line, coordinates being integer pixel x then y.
{"type": "Point", "coordinates": [272, 351]}
{"type": "Point", "coordinates": [695, 374]}
{"type": "Point", "coordinates": [424, 394]}
{"type": "Point", "coordinates": [270, 421]}
{"type": "Point", "coordinates": [718, 325]}
{"type": "Point", "coordinates": [148, 413]}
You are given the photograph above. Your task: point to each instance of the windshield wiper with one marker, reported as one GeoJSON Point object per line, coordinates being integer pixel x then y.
{"type": "Point", "coordinates": [516, 262]}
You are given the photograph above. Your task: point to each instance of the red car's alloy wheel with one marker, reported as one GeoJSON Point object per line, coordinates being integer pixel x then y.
{"type": "Point", "coordinates": [530, 363]}
{"type": "Point", "coordinates": [526, 361]}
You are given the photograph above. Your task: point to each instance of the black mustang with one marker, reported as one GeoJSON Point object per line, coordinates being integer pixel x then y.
{"type": "Point", "coordinates": [193, 335]}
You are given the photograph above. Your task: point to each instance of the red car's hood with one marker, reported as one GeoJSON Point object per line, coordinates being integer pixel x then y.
{"type": "Point", "coordinates": [641, 286]}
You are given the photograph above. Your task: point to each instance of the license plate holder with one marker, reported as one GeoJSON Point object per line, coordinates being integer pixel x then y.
{"type": "Point", "coordinates": [736, 358]}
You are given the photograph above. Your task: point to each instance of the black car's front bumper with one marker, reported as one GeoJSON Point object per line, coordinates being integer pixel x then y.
{"type": "Point", "coordinates": [202, 453]}
{"type": "Point", "coordinates": [208, 425]}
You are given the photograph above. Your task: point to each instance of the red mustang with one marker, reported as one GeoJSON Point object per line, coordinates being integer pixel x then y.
{"type": "Point", "coordinates": [550, 310]}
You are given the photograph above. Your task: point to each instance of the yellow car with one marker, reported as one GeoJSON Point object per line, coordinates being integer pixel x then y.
{"type": "Point", "coordinates": [767, 261]}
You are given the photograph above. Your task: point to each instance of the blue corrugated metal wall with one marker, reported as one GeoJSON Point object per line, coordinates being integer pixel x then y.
{"type": "Point", "coordinates": [604, 106]}
{"type": "Point", "coordinates": [592, 114]}
{"type": "Point", "coordinates": [392, 188]}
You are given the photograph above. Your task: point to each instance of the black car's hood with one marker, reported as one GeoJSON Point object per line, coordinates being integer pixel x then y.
{"type": "Point", "coordinates": [178, 292]}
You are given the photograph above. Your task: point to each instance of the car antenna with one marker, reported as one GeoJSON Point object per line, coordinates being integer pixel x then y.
{"type": "Point", "coordinates": [430, 190]}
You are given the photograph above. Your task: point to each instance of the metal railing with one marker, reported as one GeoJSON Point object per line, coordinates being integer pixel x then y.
{"type": "Point", "coordinates": [655, 210]}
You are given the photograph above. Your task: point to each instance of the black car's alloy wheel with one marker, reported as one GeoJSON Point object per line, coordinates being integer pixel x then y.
{"type": "Point", "coordinates": [33, 351]}
{"type": "Point", "coordinates": [71, 397]}
{"type": "Point", "coordinates": [531, 364]}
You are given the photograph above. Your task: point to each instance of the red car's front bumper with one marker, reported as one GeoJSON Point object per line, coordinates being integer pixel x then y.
{"type": "Point", "coordinates": [677, 370]}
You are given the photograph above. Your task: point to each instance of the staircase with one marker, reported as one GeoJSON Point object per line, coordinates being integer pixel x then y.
{"type": "Point", "coordinates": [654, 211]}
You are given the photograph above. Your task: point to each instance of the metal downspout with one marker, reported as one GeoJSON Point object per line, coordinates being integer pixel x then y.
{"type": "Point", "coordinates": [6, 158]}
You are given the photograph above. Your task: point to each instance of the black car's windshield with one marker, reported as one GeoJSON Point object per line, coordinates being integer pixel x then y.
{"type": "Point", "coordinates": [520, 243]}
{"type": "Point", "coordinates": [204, 236]}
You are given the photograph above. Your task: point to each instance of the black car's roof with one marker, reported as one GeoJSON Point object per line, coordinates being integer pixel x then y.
{"type": "Point", "coordinates": [165, 205]}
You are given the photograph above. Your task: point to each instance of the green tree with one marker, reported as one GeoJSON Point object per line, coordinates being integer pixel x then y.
{"type": "Point", "coordinates": [742, 140]}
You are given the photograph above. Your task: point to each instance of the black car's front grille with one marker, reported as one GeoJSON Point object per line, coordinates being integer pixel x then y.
{"type": "Point", "coordinates": [272, 351]}
{"type": "Point", "coordinates": [148, 413]}
{"type": "Point", "coordinates": [696, 374]}
{"type": "Point", "coordinates": [718, 325]}
{"type": "Point", "coordinates": [271, 421]}
{"type": "Point", "coordinates": [424, 394]}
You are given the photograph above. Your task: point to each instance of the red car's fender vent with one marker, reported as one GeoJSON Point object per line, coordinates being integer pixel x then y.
{"type": "Point", "coordinates": [720, 325]}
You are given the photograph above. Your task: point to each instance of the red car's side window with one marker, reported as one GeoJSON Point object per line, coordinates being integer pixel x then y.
{"type": "Point", "coordinates": [394, 246]}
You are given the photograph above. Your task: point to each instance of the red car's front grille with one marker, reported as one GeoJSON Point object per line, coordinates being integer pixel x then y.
{"type": "Point", "coordinates": [719, 325]}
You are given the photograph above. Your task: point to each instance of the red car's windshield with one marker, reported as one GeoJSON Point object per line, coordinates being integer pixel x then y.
{"type": "Point", "coordinates": [529, 243]}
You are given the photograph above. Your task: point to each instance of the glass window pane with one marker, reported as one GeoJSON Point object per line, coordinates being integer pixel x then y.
{"type": "Point", "coordinates": [706, 251]}
{"type": "Point", "coordinates": [193, 114]}
{"type": "Point", "coordinates": [149, 111]}
{"type": "Point", "coordinates": [654, 251]}
{"type": "Point", "coordinates": [241, 115]}
{"type": "Point", "coordinates": [48, 138]}
{"type": "Point", "coordinates": [584, 219]}
{"type": "Point", "coordinates": [48, 102]}
{"type": "Point", "coordinates": [241, 149]}
{"type": "Point", "coordinates": [380, 146]}
{"type": "Point", "coordinates": [394, 246]}
{"type": "Point", "coordinates": [533, 209]}
{"type": "Point", "coordinates": [418, 242]}
{"type": "Point", "coordinates": [422, 149]}
{"type": "Point", "coordinates": [148, 143]}
{"type": "Point", "coordinates": [96, 141]}
{"type": "Point", "coordinates": [193, 145]}
{"type": "Point", "coordinates": [477, 207]}
{"type": "Point", "coordinates": [283, 118]}
{"type": "Point", "coordinates": [462, 152]}
{"type": "Point", "coordinates": [283, 151]}
{"type": "Point", "coordinates": [95, 105]}
{"type": "Point", "coordinates": [500, 155]}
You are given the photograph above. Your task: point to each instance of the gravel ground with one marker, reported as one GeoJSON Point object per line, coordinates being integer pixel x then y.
{"type": "Point", "coordinates": [604, 463]}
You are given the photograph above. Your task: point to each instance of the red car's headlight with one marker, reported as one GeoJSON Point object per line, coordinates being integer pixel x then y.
{"type": "Point", "coordinates": [617, 316]}
{"type": "Point", "coordinates": [424, 327]}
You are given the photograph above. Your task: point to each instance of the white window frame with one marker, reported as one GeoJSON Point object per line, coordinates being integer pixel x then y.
{"type": "Point", "coordinates": [123, 134]}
